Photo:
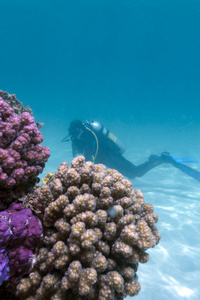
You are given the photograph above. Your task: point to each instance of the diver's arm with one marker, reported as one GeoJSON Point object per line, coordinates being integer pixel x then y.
{"type": "Point", "coordinates": [75, 151]}
{"type": "Point", "coordinates": [83, 146]}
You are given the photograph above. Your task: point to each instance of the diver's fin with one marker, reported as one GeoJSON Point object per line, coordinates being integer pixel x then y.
{"type": "Point", "coordinates": [184, 159]}
{"type": "Point", "coordinates": [187, 170]}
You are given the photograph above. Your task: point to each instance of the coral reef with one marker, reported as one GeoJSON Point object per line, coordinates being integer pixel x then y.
{"type": "Point", "coordinates": [17, 105]}
{"type": "Point", "coordinates": [96, 230]}
{"type": "Point", "coordinates": [22, 158]}
{"type": "Point", "coordinates": [20, 234]}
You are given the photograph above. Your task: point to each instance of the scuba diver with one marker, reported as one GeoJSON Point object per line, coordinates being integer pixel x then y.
{"type": "Point", "coordinates": [99, 145]}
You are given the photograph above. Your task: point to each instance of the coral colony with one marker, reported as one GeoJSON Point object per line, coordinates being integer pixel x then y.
{"type": "Point", "coordinates": [79, 235]}
{"type": "Point", "coordinates": [22, 158]}
{"type": "Point", "coordinates": [20, 231]}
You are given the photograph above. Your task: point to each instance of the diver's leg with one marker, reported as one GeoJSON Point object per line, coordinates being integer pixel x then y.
{"type": "Point", "coordinates": [152, 162]}
{"type": "Point", "coordinates": [119, 163]}
{"type": "Point", "coordinates": [124, 166]}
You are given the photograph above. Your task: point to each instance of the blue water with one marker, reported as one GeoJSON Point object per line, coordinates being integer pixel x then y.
{"type": "Point", "coordinates": [135, 67]}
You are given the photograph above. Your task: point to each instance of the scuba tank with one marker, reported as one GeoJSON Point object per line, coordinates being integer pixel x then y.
{"type": "Point", "coordinates": [99, 128]}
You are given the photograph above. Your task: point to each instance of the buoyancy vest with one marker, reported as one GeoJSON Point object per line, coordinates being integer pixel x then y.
{"type": "Point", "coordinates": [97, 128]}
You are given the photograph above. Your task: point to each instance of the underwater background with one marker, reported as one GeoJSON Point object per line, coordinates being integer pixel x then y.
{"type": "Point", "coordinates": [135, 67]}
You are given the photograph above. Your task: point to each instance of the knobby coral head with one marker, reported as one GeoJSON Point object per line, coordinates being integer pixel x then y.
{"type": "Point", "coordinates": [22, 158]}
{"type": "Point", "coordinates": [96, 230]}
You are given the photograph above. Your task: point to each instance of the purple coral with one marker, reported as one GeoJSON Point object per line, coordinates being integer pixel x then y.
{"type": "Point", "coordinates": [22, 158]}
{"type": "Point", "coordinates": [4, 269]}
{"type": "Point", "coordinates": [20, 232]}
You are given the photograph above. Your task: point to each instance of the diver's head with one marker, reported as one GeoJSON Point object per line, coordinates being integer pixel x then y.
{"type": "Point", "coordinates": [75, 129]}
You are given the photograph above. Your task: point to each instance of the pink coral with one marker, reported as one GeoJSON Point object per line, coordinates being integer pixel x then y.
{"type": "Point", "coordinates": [22, 158]}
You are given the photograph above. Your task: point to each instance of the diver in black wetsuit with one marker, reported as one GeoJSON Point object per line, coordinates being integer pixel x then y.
{"type": "Point", "coordinates": [99, 145]}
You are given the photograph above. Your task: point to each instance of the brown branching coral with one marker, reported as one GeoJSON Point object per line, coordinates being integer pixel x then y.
{"type": "Point", "coordinates": [96, 231]}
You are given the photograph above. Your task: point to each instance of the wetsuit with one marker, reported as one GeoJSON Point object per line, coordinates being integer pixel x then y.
{"type": "Point", "coordinates": [97, 147]}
